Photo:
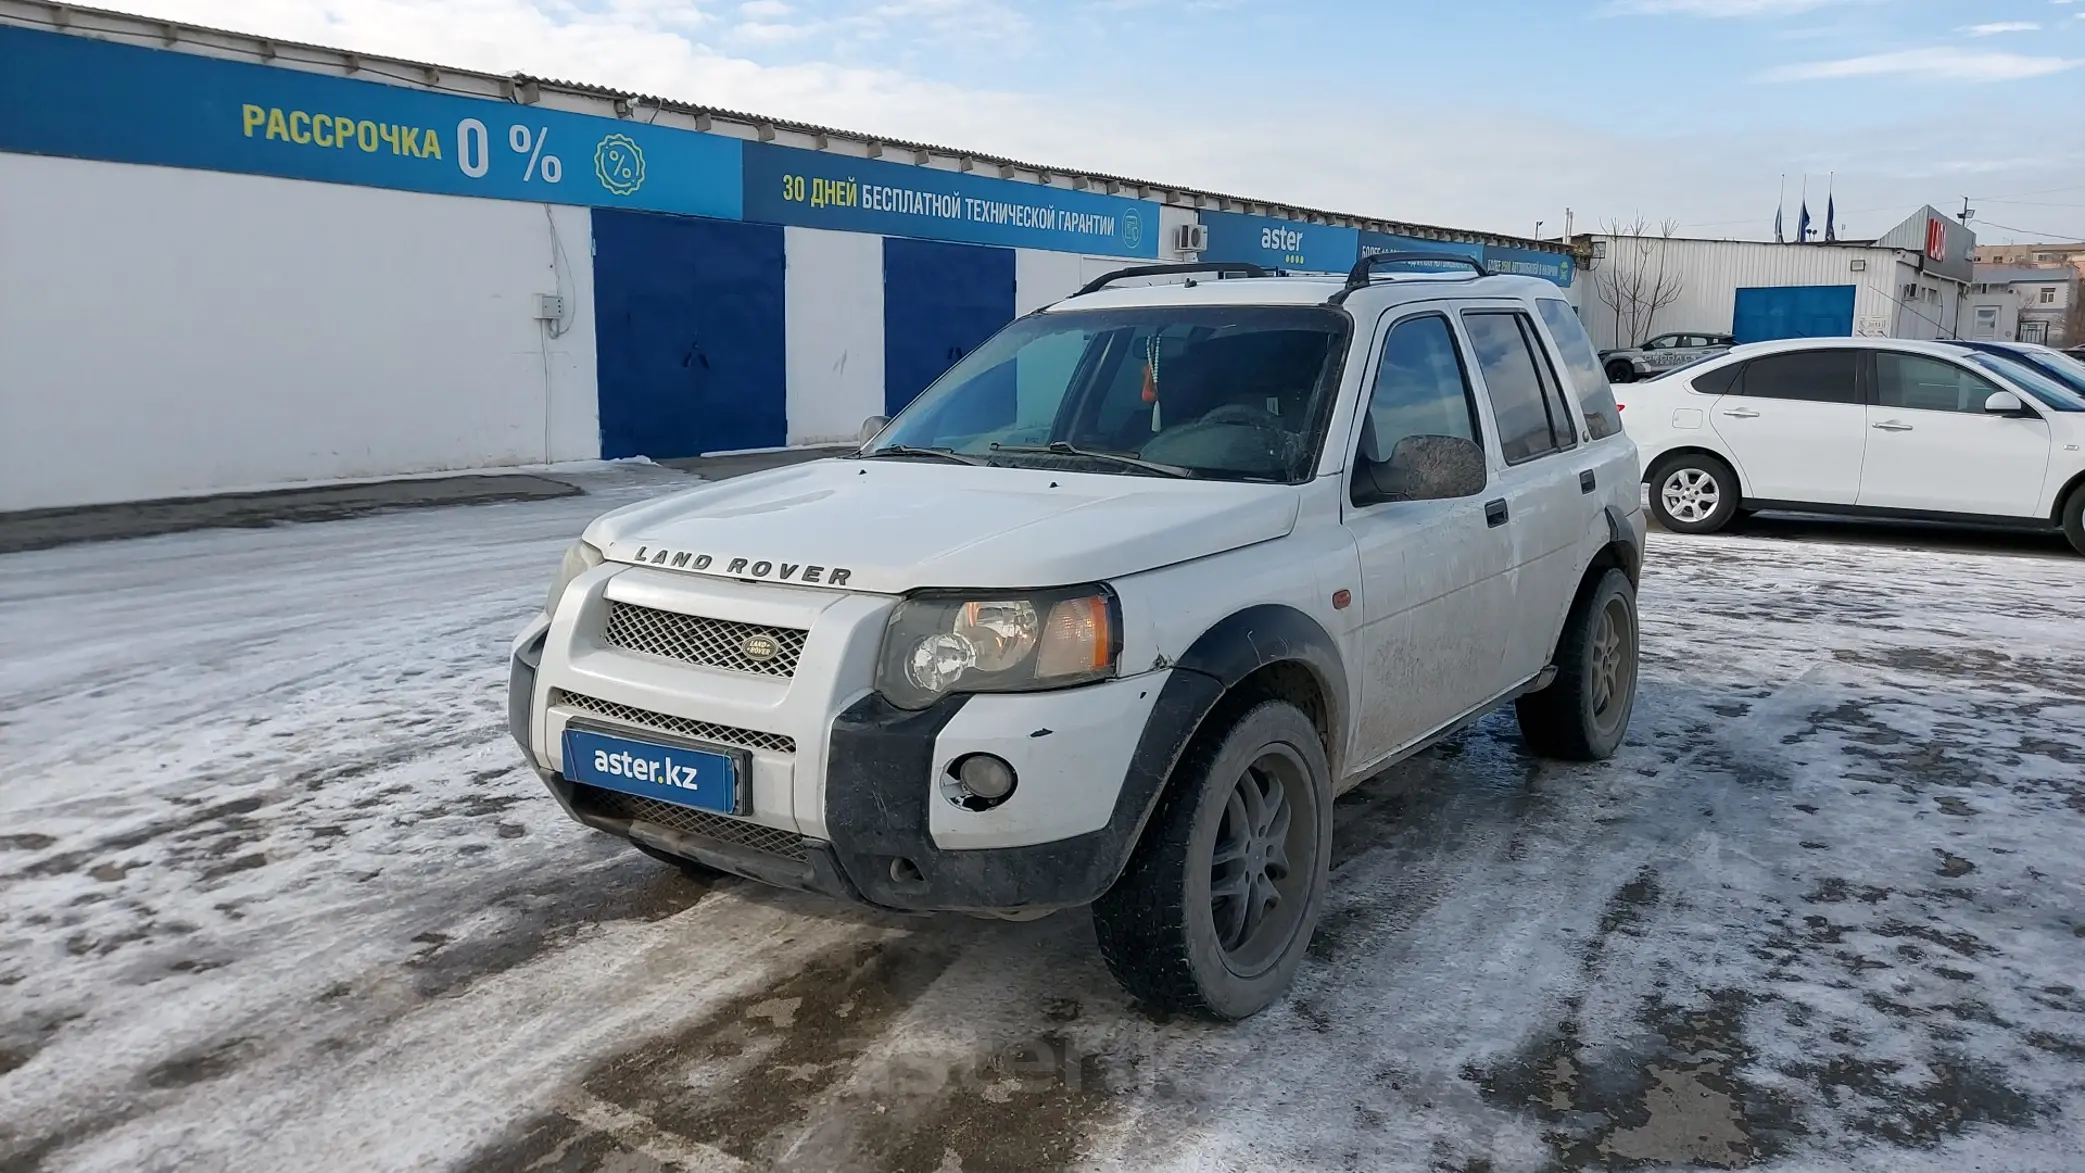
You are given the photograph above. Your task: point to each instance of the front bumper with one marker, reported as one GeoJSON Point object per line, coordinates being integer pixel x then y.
{"type": "Point", "coordinates": [883, 833]}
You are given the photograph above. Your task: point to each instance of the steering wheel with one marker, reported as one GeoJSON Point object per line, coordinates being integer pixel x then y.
{"type": "Point", "coordinates": [1242, 415]}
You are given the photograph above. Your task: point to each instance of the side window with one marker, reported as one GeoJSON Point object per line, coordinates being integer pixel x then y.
{"type": "Point", "coordinates": [1917, 383]}
{"type": "Point", "coordinates": [1819, 376]}
{"type": "Point", "coordinates": [1721, 381]}
{"type": "Point", "coordinates": [1420, 388]}
{"type": "Point", "coordinates": [1582, 363]}
{"type": "Point", "coordinates": [1513, 383]}
{"type": "Point", "coordinates": [1563, 427]}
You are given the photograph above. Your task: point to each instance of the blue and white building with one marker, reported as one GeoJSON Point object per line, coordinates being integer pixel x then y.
{"type": "Point", "coordinates": [230, 263]}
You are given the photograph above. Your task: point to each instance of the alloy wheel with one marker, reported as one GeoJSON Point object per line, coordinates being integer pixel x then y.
{"type": "Point", "coordinates": [1690, 495]}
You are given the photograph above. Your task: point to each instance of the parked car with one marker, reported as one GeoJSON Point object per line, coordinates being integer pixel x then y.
{"type": "Point", "coordinates": [1112, 611]}
{"type": "Point", "coordinates": [1660, 354]}
{"type": "Point", "coordinates": [1882, 427]}
{"type": "Point", "coordinates": [2054, 364]}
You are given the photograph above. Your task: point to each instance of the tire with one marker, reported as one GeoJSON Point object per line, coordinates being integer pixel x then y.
{"type": "Point", "coordinates": [1584, 713]}
{"type": "Point", "coordinates": [2074, 519]}
{"type": "Point", "coordinates": [1167, 936]}
{"type": "Point", "coordinates": [1620, 372]}
{"type": "Point", "coordinates": [688, 867]}
{"type": "Point", "coordinates": [1693, 493]}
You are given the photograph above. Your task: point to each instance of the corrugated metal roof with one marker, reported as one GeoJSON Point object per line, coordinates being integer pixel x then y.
{"type": "Point", "coordinates": [67, 16]}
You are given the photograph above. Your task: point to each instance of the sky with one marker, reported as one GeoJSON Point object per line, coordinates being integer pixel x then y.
{"type": "Point", "coordinates": [1479, 114]}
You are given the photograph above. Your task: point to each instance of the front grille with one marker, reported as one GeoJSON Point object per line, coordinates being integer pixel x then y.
{"type": "Point", "coordinates": [712, 643]}
{"type": "Point", "coordinates": [679, 726]}
{"type": "Point", "coordinates": [754, 837]}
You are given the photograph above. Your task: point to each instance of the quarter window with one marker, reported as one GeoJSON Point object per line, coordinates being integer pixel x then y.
{"type": "Point", "coordinates": [1420, 388]}
{"type": "Point", "coordinates": [1917, 383]}
{"type": "Point", "coordinates": [1819, 376]}
{"type": "Point", "coordinates": [1513, 380]}
{"type": "Point", "coordinates": [1582, 363]}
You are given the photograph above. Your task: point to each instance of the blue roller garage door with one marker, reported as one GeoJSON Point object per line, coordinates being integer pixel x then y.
{"type": "Point", "coordinates": [1793, 311]}
{"type": "Point", "coordinates": [691, 335]}
{"type": "Point", "coordinates": [939, 301]}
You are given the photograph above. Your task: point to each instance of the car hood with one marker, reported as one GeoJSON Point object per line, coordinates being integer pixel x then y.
{"type": "Point", "coordinates": [891, 526]}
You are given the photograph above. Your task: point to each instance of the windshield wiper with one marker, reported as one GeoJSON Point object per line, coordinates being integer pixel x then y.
{"type": "Point", "coordinates": [1061, 448]}
{"type": "Point", "coordinates": [909, 450]}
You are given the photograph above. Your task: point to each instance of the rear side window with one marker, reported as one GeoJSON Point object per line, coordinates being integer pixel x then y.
{"type": "Point", "coordinates": [1719, 381]}
{"type": "Point", "coordinates": [1595, 397]}
{"type": "Point", "coordinates": [1513, 381]}
{"type": "Point", "coordinates": [1816, 376]}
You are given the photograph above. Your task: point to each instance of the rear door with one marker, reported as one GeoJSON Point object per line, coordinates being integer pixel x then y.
{"type": "Point", "coordinates": [1538, 501]}
{"type": "Point", "coordinates": [1797, 424]}
{"type": "Point", "coordinates": [1931, 445]}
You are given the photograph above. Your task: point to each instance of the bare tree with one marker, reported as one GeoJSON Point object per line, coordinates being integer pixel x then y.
{"type": "Point", "coordinates": [1637, 279]}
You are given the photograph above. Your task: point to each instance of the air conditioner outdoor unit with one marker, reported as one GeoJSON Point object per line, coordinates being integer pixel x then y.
{"type": "Point", "coordinates": [1191, 238]}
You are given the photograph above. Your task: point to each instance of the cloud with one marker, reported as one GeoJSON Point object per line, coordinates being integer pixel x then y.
{"type": "Point", "coordinates": [1938, 63]}
{"type": "Point", "coordinates": [1997, 27]}
{"type": "Point", "coordinates": [1715, 8]}
{"type": "Point", "coordinates": [763, 9]}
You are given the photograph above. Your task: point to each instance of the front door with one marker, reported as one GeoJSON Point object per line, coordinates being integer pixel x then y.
{"type": "Point", "coordinates": [1797, 424]}
{"type": "Point", "coordinates": [1436, 597]}
{"type": "Point", "coordinates": [1931, 445]}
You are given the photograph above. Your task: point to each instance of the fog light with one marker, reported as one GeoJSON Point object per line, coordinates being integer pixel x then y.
{"type": "Point", "coordinates": [979, 781]}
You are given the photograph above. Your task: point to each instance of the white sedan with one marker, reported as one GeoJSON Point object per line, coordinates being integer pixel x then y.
{"type": "Point", "coordinates": [1879, 427]}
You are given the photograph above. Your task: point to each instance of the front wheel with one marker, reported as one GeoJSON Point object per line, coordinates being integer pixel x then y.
{"type": "Point", "coordinates": [1693, 493]}
{"type": "Point", "coordinates": [1584, 713]}
{"type": "Point", "coordinates": [1216, 907]}
{"type": "Point", "coordinates": [2074, 519]}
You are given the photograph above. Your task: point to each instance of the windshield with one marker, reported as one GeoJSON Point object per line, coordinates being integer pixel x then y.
{"type": "Point", "coordinates": [1224, 392]}
{"type": "Point", "coordinates": [2031, 378]}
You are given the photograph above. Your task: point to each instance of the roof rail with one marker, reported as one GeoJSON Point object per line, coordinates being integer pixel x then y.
{"type": "Point", "coordinates": [1363, 271]}
{"type": "Point", "coordinates": [1222, 269]}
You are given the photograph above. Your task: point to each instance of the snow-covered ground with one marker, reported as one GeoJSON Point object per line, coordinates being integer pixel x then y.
{"type": "Point", "coordinates": [275, 892]}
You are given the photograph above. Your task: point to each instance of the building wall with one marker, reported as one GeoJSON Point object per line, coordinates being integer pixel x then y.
{"type": "Point", "coordinates": [1710, 272]}
{"type": "Point", "coordinates": [1991, 315]}
{"type": "Point", "coordinates": [167, 332]}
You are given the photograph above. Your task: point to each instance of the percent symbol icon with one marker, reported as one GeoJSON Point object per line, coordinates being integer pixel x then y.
{"type": "Point", "coordinates": [524, 142]}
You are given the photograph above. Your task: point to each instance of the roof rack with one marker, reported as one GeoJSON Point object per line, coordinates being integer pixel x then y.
{"type": "Point", "coordinates": [1363, 272]}
{"type": "Point", "coordinates": [1222, 269]}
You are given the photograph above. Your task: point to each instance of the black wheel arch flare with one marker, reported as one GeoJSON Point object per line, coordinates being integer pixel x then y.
{"type": "Point", "coordinates": [879, 777]}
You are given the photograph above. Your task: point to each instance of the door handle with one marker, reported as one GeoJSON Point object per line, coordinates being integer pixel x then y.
{"type": "Point", "coordinates": [1587, 482]}
{"type": "Point", "coordinates": [1495, 513]}
{"type": "Point", "coordinates": [1892, 426]}
{"type": "Point", "coordinates": [1743, 413]}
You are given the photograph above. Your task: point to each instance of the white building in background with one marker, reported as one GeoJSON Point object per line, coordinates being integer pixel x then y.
{"type": "Point", "coordinates": [2025, 305]}
{"type": "Point", "coordinates": [229, 262]}
{"type": "Point", "coordinates": [1909, 283]}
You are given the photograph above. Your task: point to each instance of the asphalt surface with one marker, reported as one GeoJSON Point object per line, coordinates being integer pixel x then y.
{"type": "Point", "coordinates": [276, 892]}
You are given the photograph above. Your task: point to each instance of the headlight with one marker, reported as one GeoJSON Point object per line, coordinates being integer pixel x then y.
{"type": "Point", "coordinates": [578, 560]}
{"type": "Point", "coordinates": [936, 645]}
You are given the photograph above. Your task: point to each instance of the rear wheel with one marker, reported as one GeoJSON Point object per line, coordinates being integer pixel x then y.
{"type": "Point", "coordinates": [1584, 713]}
{"type": "Point", "coordinates": [1216, 907]}
{"type": "Point", "coordinates": [1693, 493]}
{"type": "Point", "coordinates": [1620, 372]}
{"type": "Point", "coordinates": [2074, 519]}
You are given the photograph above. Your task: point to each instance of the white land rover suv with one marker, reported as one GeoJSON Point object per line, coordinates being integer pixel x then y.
{"type": "Point", "coordinates": [1113, 610]}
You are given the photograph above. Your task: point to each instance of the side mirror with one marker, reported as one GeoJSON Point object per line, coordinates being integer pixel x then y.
{"type": "Point", "coordinates": [1423, 468]}
{"type": "Point", "coordinates": [2004, 403]}
{"type": "Point", "coordinates": [873, 425]}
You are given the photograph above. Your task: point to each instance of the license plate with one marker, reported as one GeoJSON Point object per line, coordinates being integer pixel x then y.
{"type": "Point", "coordinates": [704, 779]}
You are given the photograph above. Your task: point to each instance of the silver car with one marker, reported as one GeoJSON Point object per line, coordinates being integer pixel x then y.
{"type": "Point", "coordinates": [1661, 354]}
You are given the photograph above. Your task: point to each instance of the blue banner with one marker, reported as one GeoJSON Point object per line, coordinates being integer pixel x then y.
{"type": "Point", "coordinates": [88, 99]}
{"type": "Point", "coordinates": [1280, 244]}
{"type": "Point", "coordinates": [813, 189]}
{"type": "Point", "coordinates": [1527, 262]}
{"type": "Point", "coordinates": [1374, 243]}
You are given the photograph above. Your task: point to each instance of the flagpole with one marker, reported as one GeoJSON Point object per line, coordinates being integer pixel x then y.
{"type": "Point", "coordinates": [1780, 205]}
